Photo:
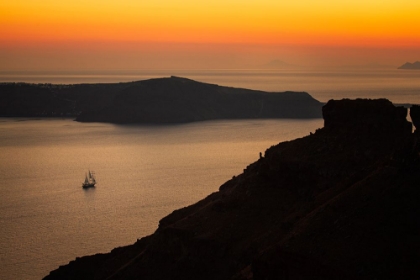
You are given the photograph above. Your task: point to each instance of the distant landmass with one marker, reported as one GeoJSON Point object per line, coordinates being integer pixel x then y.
{"type": "Point", "coordinates": [341, 203]}
{"type": "Point", "coordinates": [154, 101]}
{"type": "Point", "coordinates": [411, 66]}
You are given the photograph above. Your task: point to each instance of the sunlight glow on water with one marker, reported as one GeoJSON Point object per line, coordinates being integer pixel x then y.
{"type": "Point", "coordinates": [143, 172]}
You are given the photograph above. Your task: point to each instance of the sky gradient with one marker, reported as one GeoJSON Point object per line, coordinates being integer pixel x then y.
{"type": "Point", "coordinates": [129, 34]}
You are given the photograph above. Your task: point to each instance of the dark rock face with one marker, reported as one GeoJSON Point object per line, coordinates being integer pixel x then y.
{"type": "Point", "coordinates": [342, 203]}
{"type": "Point", "coordinates": [365, 114]}
{"type": "Point", "coordinates": [415, 116]}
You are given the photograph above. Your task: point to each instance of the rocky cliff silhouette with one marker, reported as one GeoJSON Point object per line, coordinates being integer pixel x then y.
{"type": "Point", "coordinates": [154, 101]}
{"type": "Point", "coordinates": [341, 203]}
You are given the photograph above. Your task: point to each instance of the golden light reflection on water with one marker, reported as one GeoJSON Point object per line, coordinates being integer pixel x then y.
{"type": "Point", "coordinates": [144, 173]}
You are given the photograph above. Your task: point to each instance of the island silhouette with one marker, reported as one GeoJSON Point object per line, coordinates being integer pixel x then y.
{"type": "Point", "coordinates": [154, 101]}
{"type": "Point", "coordinates": [410, 66]}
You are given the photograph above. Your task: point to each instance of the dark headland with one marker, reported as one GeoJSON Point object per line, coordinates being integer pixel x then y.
{"type": "Point", "coordinates": [410, 66]}
{"type": "Point", "coordinates": [154, 101]}
{"type": "Point", "coordinates": [341, 203]}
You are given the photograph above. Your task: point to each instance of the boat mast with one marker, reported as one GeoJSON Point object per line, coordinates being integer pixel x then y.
{"type": "Point", "coordinates": [92, 177]}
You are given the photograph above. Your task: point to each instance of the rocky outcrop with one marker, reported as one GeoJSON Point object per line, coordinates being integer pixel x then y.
{"type": "Point", "coordinates": [376, 115]}
{"type": "Point", "coordinates": [341, 203]}
{"type": "Point", "coordinates": [415, 116]}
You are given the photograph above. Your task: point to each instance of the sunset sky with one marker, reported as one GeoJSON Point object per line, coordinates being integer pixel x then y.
{"type": "Point", "coordinates": [132, 34]}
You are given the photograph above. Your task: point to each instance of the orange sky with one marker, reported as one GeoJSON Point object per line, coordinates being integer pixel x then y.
{"type": "Point", "coordinates": [133, 34]}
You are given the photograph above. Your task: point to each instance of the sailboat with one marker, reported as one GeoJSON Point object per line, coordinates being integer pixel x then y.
{"type": "Point", "coordinates": [90, 180]}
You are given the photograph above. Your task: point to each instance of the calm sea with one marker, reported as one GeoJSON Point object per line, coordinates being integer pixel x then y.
{"type": "Point", "coordinates": [143, 172]}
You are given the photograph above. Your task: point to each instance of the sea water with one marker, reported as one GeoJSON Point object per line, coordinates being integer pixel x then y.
{"type": "Point", "coordinates": [144, 173]}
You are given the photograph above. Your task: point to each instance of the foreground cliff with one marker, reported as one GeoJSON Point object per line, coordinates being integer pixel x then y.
{"type": "Point", "coordinates": [154, 101]}
{"type": "Point", "coordinates": [342, 203]}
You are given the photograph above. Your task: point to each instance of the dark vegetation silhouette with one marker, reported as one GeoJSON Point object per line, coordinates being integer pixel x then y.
{"type": "Point", "coordinates": [341, 203]}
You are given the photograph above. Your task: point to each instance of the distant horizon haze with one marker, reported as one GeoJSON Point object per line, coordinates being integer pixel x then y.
{"type": "Point", "coordinates": [197, 56]}
{"type": "Point", "coordinates": [79, 35]}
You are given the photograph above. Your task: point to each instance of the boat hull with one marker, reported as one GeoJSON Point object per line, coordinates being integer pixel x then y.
{"type": "Point", "coordinates": [86, 186]}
